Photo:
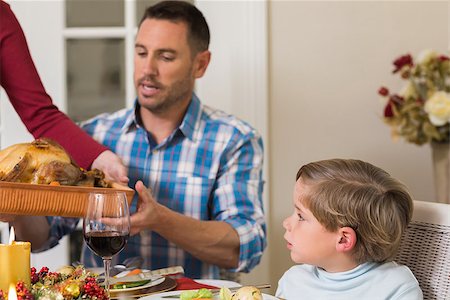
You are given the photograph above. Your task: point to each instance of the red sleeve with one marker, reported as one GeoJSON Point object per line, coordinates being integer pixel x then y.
{"type": "Point", "coordinates": [19, 78]}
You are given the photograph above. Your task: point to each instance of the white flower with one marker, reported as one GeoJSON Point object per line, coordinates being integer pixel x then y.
{"type": "Point", "coordinates": [408, 91]}
{"type": "Point", "coordinates": [426, 56]}
{"type": "Point", "coordinates": [438, 108]}
{"type": "Point", "coordinates": [46, 294]}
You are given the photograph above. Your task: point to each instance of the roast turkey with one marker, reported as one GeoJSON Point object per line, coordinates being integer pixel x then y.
{"type": "Point", "coordinates": [44, 161]}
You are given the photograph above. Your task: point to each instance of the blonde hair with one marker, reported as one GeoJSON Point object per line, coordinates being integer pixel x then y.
{"type": "Point", "coordinates": [356, 194]}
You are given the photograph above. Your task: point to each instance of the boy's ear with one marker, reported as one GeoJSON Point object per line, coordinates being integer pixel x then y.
{"type": "Point", "coordinates": [346, 239]}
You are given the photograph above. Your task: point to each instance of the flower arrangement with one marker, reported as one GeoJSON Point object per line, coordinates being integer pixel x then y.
{"type": "Point", "coordinates": [68, 283]}
{"type": "Point", "coordinates": [420, 112]}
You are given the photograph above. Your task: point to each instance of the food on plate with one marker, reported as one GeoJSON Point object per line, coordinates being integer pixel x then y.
{"type": "Point", "coordinates": [244, 293]}
{"type": "Point", "coordinates": [247, 293]}
{"type": "Point", "coordinates": [196, 295]}
{"type": "Point", "coordinates": [44, 161]}
{"type": "Point", "coordinates": [225, 294]}
{"type": "Point", "coordinates": [127, 285]}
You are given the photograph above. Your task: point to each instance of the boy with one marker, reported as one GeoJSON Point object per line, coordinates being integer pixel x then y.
{"type": "Point", "coordinates": [346, 228]}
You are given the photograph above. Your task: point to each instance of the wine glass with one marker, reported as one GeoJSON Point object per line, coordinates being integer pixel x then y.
{"type": "Point", "coordinates": [106, 226]}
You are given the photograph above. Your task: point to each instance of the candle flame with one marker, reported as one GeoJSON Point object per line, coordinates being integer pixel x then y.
{"type": "Point", "coordinates": [12, 236]}
{"type": "Point", "coordinates": [12, 295]}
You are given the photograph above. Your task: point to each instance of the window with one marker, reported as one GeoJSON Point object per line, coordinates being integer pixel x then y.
{"type": "Point", "coordinates": [99, 42]}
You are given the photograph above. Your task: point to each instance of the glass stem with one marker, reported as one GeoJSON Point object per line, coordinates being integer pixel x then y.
{"type": "Point", "coordinates": [107, 263]}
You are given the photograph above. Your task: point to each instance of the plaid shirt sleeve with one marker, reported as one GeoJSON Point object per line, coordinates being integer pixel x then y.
{"type": "Point", "coordinates": [239, 197]}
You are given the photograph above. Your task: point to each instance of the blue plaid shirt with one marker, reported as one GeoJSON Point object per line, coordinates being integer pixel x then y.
{"type": "Point", "coordinates": [209, 168]}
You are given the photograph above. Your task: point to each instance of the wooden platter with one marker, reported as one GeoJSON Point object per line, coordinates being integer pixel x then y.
{"type": "Point", "coordinates": [46, 200]}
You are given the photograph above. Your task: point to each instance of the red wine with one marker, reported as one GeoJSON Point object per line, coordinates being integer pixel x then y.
{"type": "Point", "coordinates": [105, 243]}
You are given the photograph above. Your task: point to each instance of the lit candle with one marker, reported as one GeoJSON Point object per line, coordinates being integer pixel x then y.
{"type": "Point", "coordinates": [14, 263]}
{"type": "Point", "coordinates": [12, 294]}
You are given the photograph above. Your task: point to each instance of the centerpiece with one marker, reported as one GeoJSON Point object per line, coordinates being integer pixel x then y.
{"type": "Point", "coordinates": [420, 111]}
{"type": "Point", "coordinates": [68, 283]}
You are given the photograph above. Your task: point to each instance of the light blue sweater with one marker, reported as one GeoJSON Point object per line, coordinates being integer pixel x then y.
{"type": "Point", "coordinates": [366, 281]}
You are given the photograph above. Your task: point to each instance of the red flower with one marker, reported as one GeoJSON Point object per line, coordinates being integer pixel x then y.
{"type": "Point", "coordinates": [443, 58]}
{"type": "Point", "coordinates": [404, 60]}
{"type": "Point", "coordinates": [388, 113]}
{"type": "Point", "coordinates": [396, 99]}
{"type": "Point", "coordinates": [383, 91]}
{"type": "Point", "coordinates": [34, 276]}
{"type": "Point", "coordinates": [393, 100]}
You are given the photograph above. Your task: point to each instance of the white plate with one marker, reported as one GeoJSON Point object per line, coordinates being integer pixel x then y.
{"type": "Point", "coordinates": [123, 274]}
{"type": "Point", "coordinates": [147, 285]}
{"type": "Point", "coordinates": [160, 295]}
{"type": "Point", "coordinates": [217, 283]}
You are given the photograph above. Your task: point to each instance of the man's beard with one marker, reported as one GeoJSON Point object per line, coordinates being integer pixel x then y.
{"type": "Point", "coordinates": [176, 94]}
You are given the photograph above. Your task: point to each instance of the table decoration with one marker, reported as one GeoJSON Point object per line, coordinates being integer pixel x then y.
{"type": "Point", "coordinates": [69, 283]}
{"type": "Point", "coordinates": [420, 111]}
{"type": "Point", "coordinates": [14, 262]}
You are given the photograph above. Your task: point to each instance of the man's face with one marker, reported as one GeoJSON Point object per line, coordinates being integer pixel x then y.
{"type": "Point", "coordinates": [164, 69]}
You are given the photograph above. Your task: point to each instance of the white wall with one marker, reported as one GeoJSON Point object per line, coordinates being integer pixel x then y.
{"type": "Point", "coordinates": [327, 61]}
{"type": "Point", "coordinates": [236, 79]}
{"type": "Point", "coordinates": [46, 47]}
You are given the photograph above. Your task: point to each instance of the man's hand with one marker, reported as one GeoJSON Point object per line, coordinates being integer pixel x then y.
{"type": "Point", "coordinates": [147, 214]}
{"type": "Point", "coordinates": [112, 166]}
{"type": "Point", "coordinates": [34, 229]}
{"type": "Point", "coordinates": [215, 242]}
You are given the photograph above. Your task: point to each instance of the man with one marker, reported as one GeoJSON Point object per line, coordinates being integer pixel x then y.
{"type": "Point", "coordinates": [203, 208]}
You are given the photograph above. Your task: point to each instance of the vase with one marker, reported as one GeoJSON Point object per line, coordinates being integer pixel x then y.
{"type": "Point", "coordinates": [441, 171]}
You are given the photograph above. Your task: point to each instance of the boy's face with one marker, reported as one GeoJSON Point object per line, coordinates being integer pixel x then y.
{"type": "Point", "coordinates": [309, 241]}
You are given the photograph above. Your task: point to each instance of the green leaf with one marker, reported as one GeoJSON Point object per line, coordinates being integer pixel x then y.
{"type": "Point", "coordinates": [129, 284]}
